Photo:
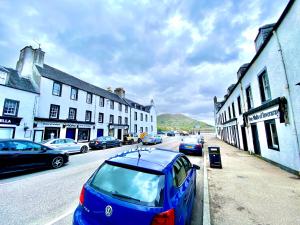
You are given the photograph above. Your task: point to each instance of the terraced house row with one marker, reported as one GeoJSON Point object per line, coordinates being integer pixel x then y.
{"type": "Point", "coordinates": [260, 113]}
{"type": "Point", "coordinates": [39, 102]}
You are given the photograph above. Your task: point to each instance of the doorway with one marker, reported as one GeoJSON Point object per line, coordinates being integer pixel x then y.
{"type": "Point", "coordinates": [120, 134]}
{"type": "Point", "coordinates": [70, 133]}
{"type": "Point", "coordinates": [51, 132]}
{"type": "Point", "coordinates": [99, 132]}
{"type": "Point", "coordinates": [255, 138]}
{"type": "Point", "coordinates": [244, 138]}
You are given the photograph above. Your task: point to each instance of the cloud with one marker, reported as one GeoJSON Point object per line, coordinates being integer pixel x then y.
{"type": "Point", "coordinates": [180, 53]}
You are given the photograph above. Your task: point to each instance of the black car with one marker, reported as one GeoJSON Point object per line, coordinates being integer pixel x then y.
{"type": "Point", "coordinates": [104, 142]}
{"type": "Point", "coordinates": [171, 133]}
{"type": "Point", "coordinates": [20, 155]}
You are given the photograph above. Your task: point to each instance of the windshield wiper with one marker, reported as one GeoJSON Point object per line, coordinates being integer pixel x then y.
{"type": "Point", "coordinates": [124, 196]}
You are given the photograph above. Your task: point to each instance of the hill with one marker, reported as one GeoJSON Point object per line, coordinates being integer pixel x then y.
{"type": "Point", "coordinates": [180, 122]}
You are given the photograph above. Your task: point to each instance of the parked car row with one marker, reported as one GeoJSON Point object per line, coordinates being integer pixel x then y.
{"type": "Point", "coordinates": [19, 155]}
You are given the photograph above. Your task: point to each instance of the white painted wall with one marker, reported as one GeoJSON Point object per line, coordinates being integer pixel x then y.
{"type": "Point", "coordinates": [26, 108]}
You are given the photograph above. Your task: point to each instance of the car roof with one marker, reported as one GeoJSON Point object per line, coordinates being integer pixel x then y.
{"type": "Point", "coordinates": [150, 158]}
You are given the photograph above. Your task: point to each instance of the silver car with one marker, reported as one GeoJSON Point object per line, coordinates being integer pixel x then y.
{"type": "Point", "coordinates": [67, 145]}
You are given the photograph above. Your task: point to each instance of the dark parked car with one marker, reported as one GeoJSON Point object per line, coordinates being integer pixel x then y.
{"type": "Point", "coordinates": [20, 155]}
{"type": "Point", "coordinates": [139, 187]}
{"type": "Point", "coordinates": [171, 133]}
{"type": "Point", "coordinates": [104, 142]}
{"type": "Point", "coordinates": [191, 145]}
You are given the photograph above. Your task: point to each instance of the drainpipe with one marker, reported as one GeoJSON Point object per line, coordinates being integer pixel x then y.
{"type": "Point", "coordinates": [287, 87]}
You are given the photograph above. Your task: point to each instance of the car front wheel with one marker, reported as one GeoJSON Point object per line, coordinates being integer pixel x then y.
{"type": "Point", "coordinates": [84, 149]}
{"type": "Point", "coordinates": [57, 162]}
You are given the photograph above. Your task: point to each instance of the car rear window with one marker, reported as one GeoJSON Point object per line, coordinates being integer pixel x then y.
{"type": "Point", "coordinates": [130, 185]}
{"type": "Point", "coordinates": [191, 140]}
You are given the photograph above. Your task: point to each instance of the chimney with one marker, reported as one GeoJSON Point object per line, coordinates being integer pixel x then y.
{"type": "Point", "coordinates": [152, 102]}
{"type": "Point", "coordinates": [262, 35]}
{"type": "Point", "coordinates": [120, 92]}
{"type": "Point", "coordinates": [242, 70]}
{"type": "Point", "coordinates": [109, 89]}
{"type": "Point", "coordinates": [29, 57]}
{"type": "Point", "coordinates": [215, 99]}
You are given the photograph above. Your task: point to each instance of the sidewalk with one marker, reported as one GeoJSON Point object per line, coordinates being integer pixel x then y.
{"type": "Point", "coordinates": [250, 191]}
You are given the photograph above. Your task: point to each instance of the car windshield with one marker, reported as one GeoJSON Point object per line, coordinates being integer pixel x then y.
{"type": "Point", "coordinates": [130, 185]}
{"type": "Point", "coordinates": [191, 140]}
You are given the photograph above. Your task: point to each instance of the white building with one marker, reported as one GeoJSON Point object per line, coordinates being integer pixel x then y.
{"type": "Point", "coordinates": [260, 113]}
{"type": "Point", "coordinates": [52, 103]}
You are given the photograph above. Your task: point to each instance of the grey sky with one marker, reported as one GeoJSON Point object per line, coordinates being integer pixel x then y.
{"type": "Point", "coordinates": [180, 53]}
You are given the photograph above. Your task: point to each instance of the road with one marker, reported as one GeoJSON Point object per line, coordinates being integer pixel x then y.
{"type": "Point", "coordinates": [49, 197]}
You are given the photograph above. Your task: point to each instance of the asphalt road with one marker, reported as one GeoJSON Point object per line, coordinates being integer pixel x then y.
{"type": "Point", "coordinates": [50, 196]}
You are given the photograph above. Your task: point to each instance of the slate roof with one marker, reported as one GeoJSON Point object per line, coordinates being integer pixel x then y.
{"type": "Point", "coordinates": [139, 106]}
{"type": "Point", "coordinates": [18, 82]}
{"type": "Point", "coordinates": [62, 77]}
{"type": "Point", "coordinates": [65, 78]}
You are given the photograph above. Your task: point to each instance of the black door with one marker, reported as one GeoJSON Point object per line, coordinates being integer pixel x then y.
{"type": "Point", "coordinates": [256, 144]}
{"type": "Point", "coordinates": [244, 138]}
{"type": "Point", "coordinates": [120, 134]}
{"type": "Point", "coordinates": [70, 133]}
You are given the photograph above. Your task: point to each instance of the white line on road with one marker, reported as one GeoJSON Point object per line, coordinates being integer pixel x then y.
{"type": "Point", "coordinates": [69, 212]}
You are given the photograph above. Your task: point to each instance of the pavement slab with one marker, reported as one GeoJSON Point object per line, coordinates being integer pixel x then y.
{"type": "Point", "coordinates": [249, 190]}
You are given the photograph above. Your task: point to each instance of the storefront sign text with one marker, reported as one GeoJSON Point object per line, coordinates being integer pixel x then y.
{"type": "Point", "coordinates": [263, 116]}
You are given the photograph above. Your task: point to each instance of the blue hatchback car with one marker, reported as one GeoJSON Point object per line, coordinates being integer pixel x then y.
{"type": "Point", "coordinates": [139, 187]}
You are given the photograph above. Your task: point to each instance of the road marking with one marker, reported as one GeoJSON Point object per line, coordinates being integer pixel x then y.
{"type": "Point", "coordinates": [69, 212]}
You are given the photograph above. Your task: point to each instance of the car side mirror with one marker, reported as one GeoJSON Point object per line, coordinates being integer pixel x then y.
{"type": "Point", "coordinates": [196, 167]}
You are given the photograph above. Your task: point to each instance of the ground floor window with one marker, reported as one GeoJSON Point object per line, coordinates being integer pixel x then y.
{"type": "Point", "coordinates": [51, 132]}
{"type": "Point", "coordinates": [7, 132]}
{"type": "Point", "coordinates": [84, 134]}
{"type": "Point", "coordinates": [111, 132]}
{"type": "Point", "coordinates": [271, 133]}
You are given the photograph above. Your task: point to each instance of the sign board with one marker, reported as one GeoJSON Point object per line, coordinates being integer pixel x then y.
{"type": "Point", "coordinates": [10, 120]}
{"type": "Point", "coordinates": [271, 113]}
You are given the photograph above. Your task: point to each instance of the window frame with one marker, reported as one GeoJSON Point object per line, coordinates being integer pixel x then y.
{"type": "Point", "coordinates": [86, 113]}
{"type": "Point", "coordinates": [16, 109]}
{"type": "Point", "coordinates": [270, 134]}
{"type": "Point", "coordinates": [126, 120]}
{"type": "Point", "coordinates": [233, 110]}
{"type": "Point", "coordinates": [89, 94]}
{"type": "Point", "coordinates": [120, 107]}
{"type": "Point", "coordinates": [58, 111]}
{"type": "Point", "coordinates": [250, 103]}
{"type": "Point", "coordinates": [264, 86]}
{"type": "Point", "coordinates": [239, 104]}
{"type": "Point", "coordinates": [102, 116]}
{"type": "Point", "coordinates": [75, 117]}
{"type": "Point", "coordinates": [135, 116]}
{"type": "Point", "coordinates": [119, 119]}
{"type": "Point", "coordinates": [101, 101]}
{"type": "Point", "coordinates": [76, 97]}
{"type": "Point", "coordinates": [111, 118]}
{"type": "Point", "coordinates": [112, 104]}
{"type": "Point", "coordinates": [60, 89]}
{"type": "Point", "coordinates": [126, 108]}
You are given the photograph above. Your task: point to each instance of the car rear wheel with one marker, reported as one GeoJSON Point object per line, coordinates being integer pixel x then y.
{"type": "Point", "coordinates": [57, 162]}
{"type": "Point", "coordinates": [120, 144]}
{"type": "Point", "coordinates": [131, 142]}
{"type": "Point", "coordinates": [104, 146]}
{"type": "Point", "coordinates": [84, 149]}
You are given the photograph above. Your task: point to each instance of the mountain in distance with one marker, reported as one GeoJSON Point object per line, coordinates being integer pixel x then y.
{"type": "Point", "coordinates": [180, 122]}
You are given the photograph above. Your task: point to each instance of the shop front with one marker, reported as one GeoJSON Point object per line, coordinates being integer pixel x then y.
{"type": "Point", "coordinates": [48, 129]}
{"type": "Point", "coordinates": [8, 126]}
{"type": "Point", "coordinates": [117, 129]}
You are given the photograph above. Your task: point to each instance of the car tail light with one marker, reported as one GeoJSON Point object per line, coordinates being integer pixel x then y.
{"type": "Point", "coordinates": [164, 218]}
{"type": "Point", "coordinates": [97, 142]}
{"type": "Point", "coordinates": [81, 198]}
{"type": "Point", "coordinates": [198, 146]}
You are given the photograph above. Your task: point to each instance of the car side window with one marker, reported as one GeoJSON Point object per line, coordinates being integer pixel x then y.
{"type": "Point", "coordinates": [24, 146]}
{"type": "Point", "coordinates": [186, 163]}
{"type": "Point", "coordinates": [69, 141]}
{"type": "Point", "coordinates": [179, 172]}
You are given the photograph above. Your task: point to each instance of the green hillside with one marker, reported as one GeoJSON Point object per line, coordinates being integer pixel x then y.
{"type": "Point", "coordinates": [167, 122]}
